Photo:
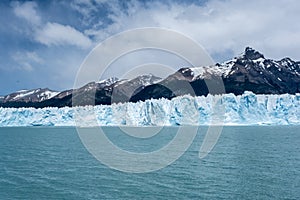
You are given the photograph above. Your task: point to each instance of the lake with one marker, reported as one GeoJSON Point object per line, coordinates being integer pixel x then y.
{"type": "Point", "coordinates": [248, 162]}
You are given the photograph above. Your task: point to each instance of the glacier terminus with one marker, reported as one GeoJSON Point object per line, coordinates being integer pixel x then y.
{"type": "Point", "coordinates": [225, 109]}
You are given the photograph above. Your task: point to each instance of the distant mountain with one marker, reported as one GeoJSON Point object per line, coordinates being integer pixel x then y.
{"type": "Point", "coordinates": [250, 71]}
{"type": "Point", "coordinates": [27, 96]}
{"type": "Point", "coordinates": [36, 95]}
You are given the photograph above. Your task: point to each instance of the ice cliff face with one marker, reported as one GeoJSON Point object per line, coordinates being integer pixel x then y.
{"type": "Point", "coordinates": [226, 109]}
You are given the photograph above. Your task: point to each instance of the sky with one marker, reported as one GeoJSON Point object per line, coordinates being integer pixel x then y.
{"type": "Point", "coordinates": [43, 43]}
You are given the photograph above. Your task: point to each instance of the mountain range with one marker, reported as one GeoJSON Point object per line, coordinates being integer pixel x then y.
{"type": "Point", "coordinates": [250, 71]}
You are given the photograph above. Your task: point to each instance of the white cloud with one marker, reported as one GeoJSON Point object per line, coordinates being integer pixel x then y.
{"type": "Point", "coordinates": [57, 34]}
{"type": "Point", "coordinates": [26, 60]}
{"type": "Point", "coordinates": [32, 56]}
{"type": "Point", "coordinates": [27, 10]}
{"type": "Point", "coordinates": [220, 26]}
{"type": "Point", "coordinates": [50, 33]}
{"type": "Point", "coordinates": [270, 26]}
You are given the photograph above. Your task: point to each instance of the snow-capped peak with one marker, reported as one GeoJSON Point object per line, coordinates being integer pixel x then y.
{"type": "Point", "coordinates": [226, 68]}
{"type": "Point", "coordinates": [249, 60]}
{"type": "Point", "coordinates": [148, 79]}
{"type": "Point", "coordinates": [108, 82]}
{"type": "Point", "coordinates": [215, 70]}
{"type": "Point", "coordinates": [35, 95]}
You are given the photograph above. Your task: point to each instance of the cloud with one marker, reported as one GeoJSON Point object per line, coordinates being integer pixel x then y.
{"type": "Point", "coordinates": [220, 26]}
{"type": "Point", "coordinates": [26, 60]}
{"type": "Point", "coordinates": [51, 33]}
{"type": "Point", "coordinates": [27, 10]}
{"type": "Point", "coordinates": [32, 56]}
{"type": "Point", "coordinates": [57, 34]}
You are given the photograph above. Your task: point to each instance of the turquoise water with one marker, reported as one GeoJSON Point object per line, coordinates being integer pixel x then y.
{"type": "Point", "coordinates": [247, 163]}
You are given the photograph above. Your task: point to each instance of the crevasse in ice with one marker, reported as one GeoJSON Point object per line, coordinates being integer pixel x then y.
{"type": "Point", "coordinates": [227, 109]}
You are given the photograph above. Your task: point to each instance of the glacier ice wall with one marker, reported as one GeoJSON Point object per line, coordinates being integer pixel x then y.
{"type": "Point", "coordinates": [227, 109]}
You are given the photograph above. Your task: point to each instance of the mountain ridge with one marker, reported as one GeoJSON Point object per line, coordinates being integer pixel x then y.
{"type": "Point", "coordinates": [250, 71]}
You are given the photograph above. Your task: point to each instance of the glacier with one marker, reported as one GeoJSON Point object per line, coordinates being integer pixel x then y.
{"type": "Point", "coordinates": [226, 109]}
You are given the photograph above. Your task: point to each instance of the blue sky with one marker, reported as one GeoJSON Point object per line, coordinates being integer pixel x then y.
{"type": "Point", "coordinates": [43, 43]}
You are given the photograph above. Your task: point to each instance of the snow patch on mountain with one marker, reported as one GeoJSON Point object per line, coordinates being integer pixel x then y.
{"type": "Point", "coordinates": [47, 95]}
{"type": "Point", "coordinates": [23, 94]}
{"type": "Point", "coordinates": [36, 94]}
{"type": "Point", "coordinates": [215, 70]}
{"type": "Point", "coordinates": [108, 82]}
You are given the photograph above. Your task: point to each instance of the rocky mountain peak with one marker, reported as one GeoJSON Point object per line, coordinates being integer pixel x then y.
{"type": "Point", "coordinates": [252, 54]}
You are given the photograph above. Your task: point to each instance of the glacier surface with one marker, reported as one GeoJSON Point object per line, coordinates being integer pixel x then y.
{"type": "Point", "coordinates": [227, 109]}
